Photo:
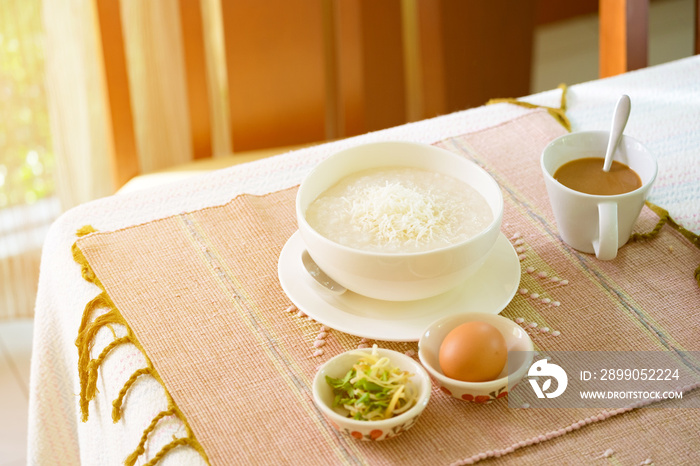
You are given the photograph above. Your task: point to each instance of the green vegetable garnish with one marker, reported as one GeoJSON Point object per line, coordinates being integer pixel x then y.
{"type": "Point", "coordinates": [372, 390]}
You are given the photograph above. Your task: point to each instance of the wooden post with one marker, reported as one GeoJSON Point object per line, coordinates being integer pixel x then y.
{"type": "Point", "coordinates": [697, 26]}
{"type": "Point", "coordinates": [275, 66]}
{"type": "Point", "coordinates": [125, 160]}
{"type": "Point", "coordinates": [196, 78]}
{"type": "Point", "coordinates": [623, 36]}
{"type": "Point", "coordinates": [474, 50]}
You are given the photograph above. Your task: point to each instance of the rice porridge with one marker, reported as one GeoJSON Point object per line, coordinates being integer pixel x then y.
{"type": "Point", "coordinates": [399, 209]}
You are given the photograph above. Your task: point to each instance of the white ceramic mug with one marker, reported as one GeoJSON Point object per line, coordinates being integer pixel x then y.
{"type": "Point", "coordinates": [595, 223]}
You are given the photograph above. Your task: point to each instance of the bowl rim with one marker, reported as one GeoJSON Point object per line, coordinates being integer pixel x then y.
{"type": "Point", "coordinates": [437, 373]}
{"type": "Point", "coordinates": [424, 387]}
{"type": "Point", "coordinates": [494, 224]}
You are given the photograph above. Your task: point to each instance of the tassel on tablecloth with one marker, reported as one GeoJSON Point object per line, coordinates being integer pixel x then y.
{"type": "Point", "coordinates": [559, 114]}
{"type": "Point", "coordinates": [88, 367]}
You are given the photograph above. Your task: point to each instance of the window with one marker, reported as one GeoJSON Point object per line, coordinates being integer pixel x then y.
{"type": "Point", "coordinates": [27, 201]}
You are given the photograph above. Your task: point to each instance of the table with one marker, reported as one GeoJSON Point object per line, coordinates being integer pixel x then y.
{"type": "Point", "coordinates": [665, 115]}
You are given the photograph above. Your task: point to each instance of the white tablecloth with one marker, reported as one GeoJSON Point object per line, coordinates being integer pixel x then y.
{"type": "Point", "coordinates": [665, 115]}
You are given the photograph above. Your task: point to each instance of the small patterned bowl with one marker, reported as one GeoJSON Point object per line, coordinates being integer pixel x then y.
{"type": "Point", "coordinates": [339, 365]}
{"type": "Point", "coordinates": [516, 338]}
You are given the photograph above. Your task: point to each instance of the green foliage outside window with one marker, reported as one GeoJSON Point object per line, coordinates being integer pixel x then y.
{"type": "Point", "coordinates": [26, 158]}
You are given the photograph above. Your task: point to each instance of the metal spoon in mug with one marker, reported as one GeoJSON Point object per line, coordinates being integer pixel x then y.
{"type": "Point", "coordinates": [319, 275]}
{"type": "Point", "coordinates": [622, 113]}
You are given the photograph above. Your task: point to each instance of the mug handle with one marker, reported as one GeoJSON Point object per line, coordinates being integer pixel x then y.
{"type": "Point", "coordinates": [605, 245]}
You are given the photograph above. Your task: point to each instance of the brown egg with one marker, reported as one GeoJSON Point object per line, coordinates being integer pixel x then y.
{"type": "Point", "coordinates": [473, 352]}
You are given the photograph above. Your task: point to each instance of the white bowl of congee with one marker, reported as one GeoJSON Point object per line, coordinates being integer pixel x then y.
{"type": "Point", "coordinates": [399, 221]}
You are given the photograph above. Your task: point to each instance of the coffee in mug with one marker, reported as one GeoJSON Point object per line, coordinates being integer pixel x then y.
{"type": "Point", "coordinates": [596, 223]}
{"type": "Point", "coordinates": [586, 175]}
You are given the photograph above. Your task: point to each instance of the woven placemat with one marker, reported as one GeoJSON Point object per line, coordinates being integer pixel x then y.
{"type": "Point", "coordinates": [200, 295]}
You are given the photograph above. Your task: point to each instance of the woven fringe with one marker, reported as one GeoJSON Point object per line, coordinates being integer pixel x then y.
{"type": "Point", "coordinates": [559, 114]}
{"type": "Point", "coordinates": [175, 443]}
{"type": "Point", "coordinates": [665, 218]}
{"type": "Point", "coordinates": [117, 404]}
{"type": "Point", "coordinates": [131, 459]}
{"type": "Point", "coordinates": [88, 367]}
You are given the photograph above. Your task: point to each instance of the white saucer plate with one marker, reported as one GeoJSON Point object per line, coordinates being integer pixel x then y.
{"type": "Point", "coordinates": [489, 290]}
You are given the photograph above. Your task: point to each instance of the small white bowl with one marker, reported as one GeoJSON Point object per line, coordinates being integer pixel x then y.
{"type": "Point", "coordinates": [399, 276]}
{"type": "Point", "coordinates": [339, 365]}
{"type": "Point", "coordinates": [517, 340]}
